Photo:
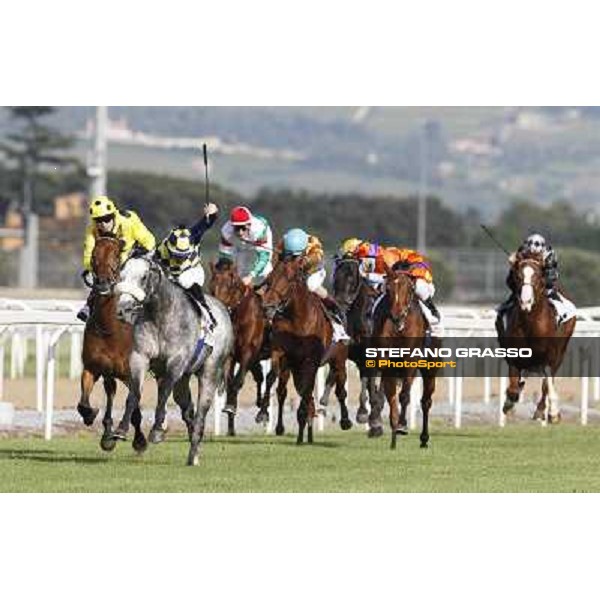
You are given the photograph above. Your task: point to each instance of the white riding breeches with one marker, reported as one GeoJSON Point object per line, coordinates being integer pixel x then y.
{"type": "Point", "coordinates": [375, 279]}
{"type": "Point", "coordinates": [316, 280]}
{"type": "Point", "coordinates": [190, 276]}
{"type": "Point", "coordinates": [424, 290]}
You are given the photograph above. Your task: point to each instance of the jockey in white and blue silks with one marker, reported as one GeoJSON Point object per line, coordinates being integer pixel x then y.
{"type": "Point", "coordinates": [179, 253]}
{"type": "Point", "coordinates": [247, 241]}
{"type": "Point", "coordinates": [536, 244]}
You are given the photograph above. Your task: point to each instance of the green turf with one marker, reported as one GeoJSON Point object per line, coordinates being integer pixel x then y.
{"type": "Point", "coordinates": [520, 458]}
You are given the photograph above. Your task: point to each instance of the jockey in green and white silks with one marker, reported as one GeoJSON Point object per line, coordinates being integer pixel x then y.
{"type": "Point", "coordinates": [536, 244]}
{"type": "Point", "coordinates": [247, 240]}
{"type": "Point", "coordinates": [179, 253]}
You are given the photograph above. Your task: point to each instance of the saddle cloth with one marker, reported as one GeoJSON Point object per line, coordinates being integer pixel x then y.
{"type": "Point", "coordinates": [564, 310]}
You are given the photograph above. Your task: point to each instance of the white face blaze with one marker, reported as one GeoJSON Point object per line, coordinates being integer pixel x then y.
{"type": "Point", "coordinates": [527, 289]}
{"type": "Point", "coordinates": [130, 288]}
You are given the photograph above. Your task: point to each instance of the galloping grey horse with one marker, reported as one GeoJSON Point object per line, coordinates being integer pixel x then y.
{"type": "Point", "coordinates": [168, 338]}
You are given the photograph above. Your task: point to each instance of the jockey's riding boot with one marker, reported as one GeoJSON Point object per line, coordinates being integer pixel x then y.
{"type": "Point", "coordinates": [432, 307]}
{"type": "Point", "coordinates": [84, 312]}
{"type": "Point", "coordinates": [505, 306]}
{"type": "Point", "coordinates": [336, 312]}
{"type": "Point", "coordinates": [198, 294]}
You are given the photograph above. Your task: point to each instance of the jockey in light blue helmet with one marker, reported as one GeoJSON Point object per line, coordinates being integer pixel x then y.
{"type": "Point", "coordinates": [295, 242]}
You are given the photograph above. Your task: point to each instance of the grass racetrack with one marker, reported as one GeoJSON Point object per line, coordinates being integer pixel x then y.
{"type": "Point", "coordinates": [523, 457]}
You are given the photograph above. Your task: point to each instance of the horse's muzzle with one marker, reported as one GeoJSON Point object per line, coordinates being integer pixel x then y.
{"type": "Point", "coordinates": [127, 311]}
{"type": "Point", "coordinates": [103, 288]}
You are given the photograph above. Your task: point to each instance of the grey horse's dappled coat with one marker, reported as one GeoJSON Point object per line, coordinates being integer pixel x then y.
{"type": "Point", "coordinates": [167, 331]}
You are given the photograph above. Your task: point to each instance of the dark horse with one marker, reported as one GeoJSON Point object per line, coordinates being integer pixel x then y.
{"type": "Point", "coordinates": [250, 332]}
{"type": "Point", "coordinates": [302, 341]}
{"type": "Point", "coordinates": [399, 323]}
{"type": "Point", "coordinates": [355, 297]}
{"type": "Point", "coordinates": [107, 342]}
{"type": "Point", "coordinates": [531, 323]}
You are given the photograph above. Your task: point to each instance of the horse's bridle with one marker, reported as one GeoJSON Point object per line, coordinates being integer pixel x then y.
{"type": "Point", "coordinates": [279, 307]}
{"type": "Point", "coordinates": [138, 304]}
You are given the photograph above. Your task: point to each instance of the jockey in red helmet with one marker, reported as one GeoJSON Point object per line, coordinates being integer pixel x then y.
{"type": "Point", "coordinates": [247, 240]}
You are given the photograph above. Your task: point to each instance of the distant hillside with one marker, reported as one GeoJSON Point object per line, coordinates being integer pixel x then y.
{"type": "Point", "coordinates": [476, 157]}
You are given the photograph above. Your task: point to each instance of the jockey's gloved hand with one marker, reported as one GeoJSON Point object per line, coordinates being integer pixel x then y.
{"type": "Point", "coordinates": [137, 251]}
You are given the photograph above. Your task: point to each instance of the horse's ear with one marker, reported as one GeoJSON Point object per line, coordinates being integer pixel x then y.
{"type": "Point", "coordinates": [211, 264]}
{"type": "Point", "coordinates": [388, 271]}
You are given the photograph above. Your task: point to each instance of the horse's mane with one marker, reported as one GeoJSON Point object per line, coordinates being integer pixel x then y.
{"type": "Point", "coordinates": [530, 257]}
{"type": "Point", "coordinates": [109, 235]}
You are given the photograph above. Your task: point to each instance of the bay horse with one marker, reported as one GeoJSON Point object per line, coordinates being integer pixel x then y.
{"type": "Point", "coordinates": [107, 342]}
{"type": "Point", "coordinates": [398, 322]}
{"type": "Point", "coordinates": [250, 332]}
{"type": "Point", "coordinates": [301, 342]}
{"type": "Point", "coordinates": [355, 297]}
{"type": "Point", "coordinates": [531, 323]}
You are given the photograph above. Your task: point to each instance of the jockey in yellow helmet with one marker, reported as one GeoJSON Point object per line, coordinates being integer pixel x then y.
{"type": "Point", "coordinates": [106, 219]}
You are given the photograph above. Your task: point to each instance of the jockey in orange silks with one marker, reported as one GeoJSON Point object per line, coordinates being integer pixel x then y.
{"type": "Point", "coordinates": [374, 258]}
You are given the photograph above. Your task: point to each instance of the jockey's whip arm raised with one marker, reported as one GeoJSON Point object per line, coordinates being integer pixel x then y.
{"type": "Point", "coordinates": [491, 236]}
{"type": "Point", "coordinates": [206, 185]}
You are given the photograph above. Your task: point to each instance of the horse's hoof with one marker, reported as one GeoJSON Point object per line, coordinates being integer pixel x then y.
{"type": "Point", "coordinates": [156, 436]}
{"type": "Point", "coordinates": [140, 444]}
{"type": "Point", "coordinates": [108, 443]}
{"type": "Point", "coordinates": [375, 432]}
{"type": "Point", "coordinates": [193, 460]}
{"type": "Point", "coordinates": [424, 444]}
{"type": "Point", "coordinates": [230, 433]}
{"type": "Point", "coordinates": [88, 414]}
{"type": "Point", "coordinates": [346, 424]}
{"type": "Point", "coordinates": [362, 416]}
{"type": "Point", "coordinates": [555, 419]}
{"type": "Point", "coordinates": [119, 434]}
{"type": "Point", "coordinates": [279, 430]}
{"type": "Point", "coordinates": [262, 417]}
{"type": "Point", "coordinates": [538, 415]}
{"type": "Point", "coordinates": [402, 430]}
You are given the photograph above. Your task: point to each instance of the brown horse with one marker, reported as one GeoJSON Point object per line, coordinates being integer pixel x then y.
{"type": "Point", "coordinates": [531, 323]}
{"type": "Point", "coordinates": [302, 341]}
{"type": "Point", "coordinates": [250, 332]}
{"type": "Point", "coordinates": [107, 344]}
{"type": "Point", "coordinates": [399, 323]}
